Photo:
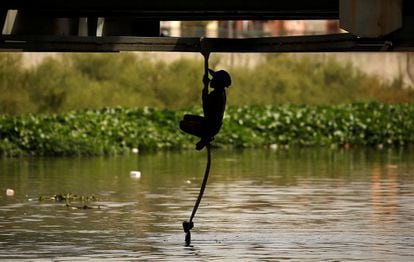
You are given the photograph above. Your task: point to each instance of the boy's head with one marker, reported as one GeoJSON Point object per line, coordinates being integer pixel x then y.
{"type": "Point", "coordinates": [220, 78]}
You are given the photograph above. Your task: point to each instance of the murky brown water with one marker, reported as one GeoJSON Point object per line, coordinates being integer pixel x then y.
{"type": "Point", "coordinates": [260, 205]}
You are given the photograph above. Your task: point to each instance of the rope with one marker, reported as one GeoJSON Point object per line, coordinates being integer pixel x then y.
{"type": "Point", "coordinates": [203, 185]}
{"type": "Point", "coordinates": [188, 225]}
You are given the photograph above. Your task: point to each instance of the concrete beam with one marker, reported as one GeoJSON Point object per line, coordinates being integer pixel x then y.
{"type": "Point", "coordinates": [323, 43]}
{"type": "Point", "coordinates": [182, 9]}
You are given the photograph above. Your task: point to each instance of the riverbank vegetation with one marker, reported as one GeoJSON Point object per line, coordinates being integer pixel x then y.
{"type": "Point", "coordinates": [103, 104]}
{"type": "Point", "coordinates": [121, 130]}
{"type": "Point", "coordinates": [91, 81]}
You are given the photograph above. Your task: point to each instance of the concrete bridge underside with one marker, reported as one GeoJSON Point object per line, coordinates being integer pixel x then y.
{"type": "Point", "coordinates": [131, 25]}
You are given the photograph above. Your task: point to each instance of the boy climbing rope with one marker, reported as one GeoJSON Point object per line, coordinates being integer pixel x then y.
{"type": "Point", "coordinates": [207, 126]}
{"type": "Point", "coordinates": [214, 104]}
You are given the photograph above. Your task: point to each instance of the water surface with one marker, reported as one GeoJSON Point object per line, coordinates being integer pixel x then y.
{"type": "Point", "coordinates": [260, 205]}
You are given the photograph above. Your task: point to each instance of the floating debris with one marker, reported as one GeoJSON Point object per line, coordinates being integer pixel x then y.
{"type": "Point", "coordinates": [135, 174]}
{"type": "Point", "coordinates": [135, 150]}
{"type": "Point", "coordinates": [10, 192]}
{"type": "Point", "coordinates": [83, 201]}
{"type": "Point", "coordinates": [68, 197]}
{"type": "Point", "coordinates": [273, 146]}
{"type": "Point", "coordinates": [82, 207]}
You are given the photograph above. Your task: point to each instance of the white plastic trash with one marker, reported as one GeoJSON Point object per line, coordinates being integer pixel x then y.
{"type": "Point", "coordinates": [10, 192]}
{"type": "Point", "coordinates": [135, 150]}
{"type": "Point", "coordinates": [135, 174]}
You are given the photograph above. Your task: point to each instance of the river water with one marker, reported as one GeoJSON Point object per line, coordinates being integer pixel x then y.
{"type": "Point", "coordinates": [259, 205]}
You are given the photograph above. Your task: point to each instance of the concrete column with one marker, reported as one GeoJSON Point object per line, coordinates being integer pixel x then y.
{"type": "Point", "coordinates": [33, 23]}
{"type": "Point", "coordinates": [370, 18]}
{"type": "Point", "coordinates": [9, 22]}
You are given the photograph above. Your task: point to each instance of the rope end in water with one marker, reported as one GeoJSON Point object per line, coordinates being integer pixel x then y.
{"type": "Point", "coordinates": [187, 226]}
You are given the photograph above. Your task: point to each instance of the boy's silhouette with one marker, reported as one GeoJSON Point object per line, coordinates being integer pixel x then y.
{"type": "Point", "coordinates": [214, 104]}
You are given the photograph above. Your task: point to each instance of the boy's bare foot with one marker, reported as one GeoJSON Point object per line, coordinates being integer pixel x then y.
{"type": "Point", "coordinates": [203, 142]}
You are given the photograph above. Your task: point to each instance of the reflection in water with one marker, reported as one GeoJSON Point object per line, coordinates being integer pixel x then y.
{"type": "Point", "coordinates": [385, 194]}
{"type": "Point", "coordinates": [259, 205]}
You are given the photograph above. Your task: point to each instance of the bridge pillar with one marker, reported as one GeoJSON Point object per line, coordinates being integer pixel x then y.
{"type": "Point", "coordinates": [370, 18]}
{"type": "Point", "coordinates": [34, 23]}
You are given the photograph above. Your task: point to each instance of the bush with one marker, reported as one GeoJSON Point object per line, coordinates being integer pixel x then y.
{"type": "Point", "coordinates": [92, 81]}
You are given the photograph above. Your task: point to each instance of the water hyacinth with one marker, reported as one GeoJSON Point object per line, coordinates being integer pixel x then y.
{"type": "Point", "coordinates": [110, 131]}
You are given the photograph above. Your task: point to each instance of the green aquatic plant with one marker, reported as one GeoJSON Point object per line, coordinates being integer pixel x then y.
{"type": "Point", "coordinates": [68, 197]}
{"type": "Point", "coordinates": [111, 131]}
{"type": "Point", "coordinates": [72, 201]}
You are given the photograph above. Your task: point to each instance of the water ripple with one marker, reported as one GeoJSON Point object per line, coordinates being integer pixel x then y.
{"type": "Point", "coordinates": [276, 210]}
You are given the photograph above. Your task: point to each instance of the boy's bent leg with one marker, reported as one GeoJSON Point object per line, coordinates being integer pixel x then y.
{"type": "Point", "coordinates": [194, 118]}
{"type": "Point", "coordinates": [196, 125]}
{"type": "Point", "coordinates": [191, 127]}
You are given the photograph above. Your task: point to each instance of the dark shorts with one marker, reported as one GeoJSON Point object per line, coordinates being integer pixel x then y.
{"type": "Point", "coordinates": [199, 126]}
